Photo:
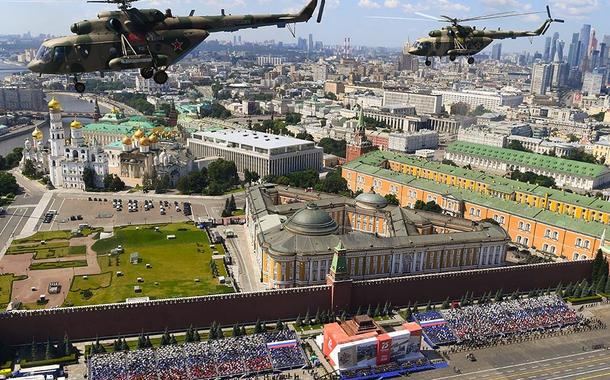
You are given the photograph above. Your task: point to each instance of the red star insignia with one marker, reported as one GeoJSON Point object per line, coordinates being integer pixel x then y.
{"type": "Point", "coordinates": [177, 45]}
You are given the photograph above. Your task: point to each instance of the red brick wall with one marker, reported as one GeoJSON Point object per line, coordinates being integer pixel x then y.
{"type": "Point", "coordinates": [85, 323]}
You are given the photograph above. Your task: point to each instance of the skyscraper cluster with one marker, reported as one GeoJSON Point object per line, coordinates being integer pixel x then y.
{"type": "Point", "coordinates": [585, 63]}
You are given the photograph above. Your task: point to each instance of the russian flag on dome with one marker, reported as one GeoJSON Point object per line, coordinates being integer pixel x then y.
{"type": "Point", "coordinates": [282, 344]}
{"type": "Point", "coordinates": [433, 322]}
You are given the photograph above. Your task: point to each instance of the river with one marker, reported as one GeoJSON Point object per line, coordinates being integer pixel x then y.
{"type": "Point", "coordinates": [68, 104]}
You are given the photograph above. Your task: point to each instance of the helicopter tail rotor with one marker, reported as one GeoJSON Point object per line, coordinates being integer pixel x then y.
{"type": "Point", "coordinates": [548, 11]}
{"type": "Point", "coordinates": [321, 12]}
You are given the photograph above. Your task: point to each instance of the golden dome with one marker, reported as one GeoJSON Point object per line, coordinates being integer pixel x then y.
{"type": "Point", "coordinates": [54, 105]}
{"type": "Point", "coordinates": [144, 141]}
{"type": "Point", "coordinates": [126, 140]}
{"type": "Point", "coordinates": [37, 134]}
{"type": "Point", "coordinates": [76, 124]}
{"type": "Point", "coordinates": [153, 138]}
{"type": "Point", "coordinates": [139, 134]}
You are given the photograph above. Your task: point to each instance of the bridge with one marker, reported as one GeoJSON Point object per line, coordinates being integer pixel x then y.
{"type": "Point", "coordinates": [39, 115]}
{"type": "Point", "coordinates": [102, 101]}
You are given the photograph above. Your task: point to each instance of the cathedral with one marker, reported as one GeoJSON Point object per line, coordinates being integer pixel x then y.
{"type": "Point", "coordinates": [66, 160]}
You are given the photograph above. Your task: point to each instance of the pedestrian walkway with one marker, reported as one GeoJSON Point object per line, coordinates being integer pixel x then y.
{"type": "Point", "coordinates": [30, 225]}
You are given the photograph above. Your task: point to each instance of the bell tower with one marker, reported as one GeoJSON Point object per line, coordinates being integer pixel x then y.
{"type": "Point", "coordinates": [57, 142]}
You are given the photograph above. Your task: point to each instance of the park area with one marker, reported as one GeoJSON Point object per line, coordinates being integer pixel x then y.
{"type": "Point", "coordinates": [156, 261]}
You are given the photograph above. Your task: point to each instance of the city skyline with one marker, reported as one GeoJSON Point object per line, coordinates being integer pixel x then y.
{"type": "Point", "coordinates": [341, 19]}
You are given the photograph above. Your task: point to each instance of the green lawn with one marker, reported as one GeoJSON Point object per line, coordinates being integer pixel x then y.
{"type": "Point", "coordinates": [58, 265]}
{"type": "Point", "coordinates": [239, 212]}
{"type": "Point", "coordinates": [175, 266]}
{"type": "Point", "coordinates": [93, 282]}
{"type": "Point", "coordinates": [50, 250]}
{"type": "Point", "coordinates": [6, 288]}
{"type": "Point", "coordinates": [46, 235]}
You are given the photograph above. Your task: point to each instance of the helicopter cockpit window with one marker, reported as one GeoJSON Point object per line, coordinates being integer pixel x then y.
{"type": "Point", "coordinates": [83, 51]}
{"type": "Point", "coordinates": [417, 45]}
{"type": "Point", "coordinates": [44, 54]}
{"type": "Point", "coordinates": [59, 54]}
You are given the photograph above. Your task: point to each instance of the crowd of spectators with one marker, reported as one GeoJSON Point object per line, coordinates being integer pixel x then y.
{"type": "Point", "coordinates": [227, 357]}
{"type": "Point", "coordinates": [404, 367]}
{"type": "Point", "coordinates": [289, 356]}
{"type": "Point", "coordinates": [435, 327]}
{"type": "Point", "coordinates": [478, 324]}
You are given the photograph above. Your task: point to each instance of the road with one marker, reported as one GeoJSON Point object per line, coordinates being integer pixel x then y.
{"type": "Point", "coordinates": [18, 214]}
{"type": "Point", "coordinates": [585, 365]}
{"type": "Point", "coordinates": [248, 274]}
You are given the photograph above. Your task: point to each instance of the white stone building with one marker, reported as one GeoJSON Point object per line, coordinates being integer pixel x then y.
{"type": "Point", "coordinates": [411, 142]}
{"type": "Point", "coordinates": [67, 163]}
{"type": "Point", "coordinates": [260, 152]}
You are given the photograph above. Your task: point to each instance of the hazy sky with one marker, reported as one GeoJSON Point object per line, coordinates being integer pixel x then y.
{"type": "Point", "coordinates": [343, 18]}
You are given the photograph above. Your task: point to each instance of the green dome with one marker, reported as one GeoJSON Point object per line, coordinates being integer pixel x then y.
{"type": "Point", "coordinates": [371, 200]}
{"type": "Point", "coordinates": [311, 221]}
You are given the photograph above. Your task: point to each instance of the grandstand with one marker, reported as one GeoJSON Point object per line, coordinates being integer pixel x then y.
{"type": "Point", "coordinates": [229, 357]}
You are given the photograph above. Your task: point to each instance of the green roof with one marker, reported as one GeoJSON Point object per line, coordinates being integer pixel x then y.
{"type": "Point", "coordinates": [533, 160]}
{"type": "Point", "coordinates": [370, 164]}
{"type": "Point", "coordinates": [495, 182]}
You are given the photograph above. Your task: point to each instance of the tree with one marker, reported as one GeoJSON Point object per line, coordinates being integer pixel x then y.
{"type": "Point", "coordinates": [213, 333]}
{"type": "Point", "coordinates": [304, 136]}
{"type": "Point", "coordinates": [331, 96]}
{"type": "Point", "coordinates": [251, 176]}
{"type": "Point", "coordinates": [223, 173]}
{"type": "Point", "coordinates": [165, 338]}
{"type": "Point", "coordinates": [333, 183]}
{"type": "Point", "coordinates": [48, 352]}
{"type": "Point", "coordinates": [479, 110]}
{"type": "Point", "coordinates": [517, 145]}
{"type": "Point", "coordinates": [597, 265]}
{"type": "Point", "coordinates": [67, 345]}
{"type": "Point", "coordinates": [232, 204]}
{"type": "Point", "coordinates": [89, 178]}
{"type": "Point", "coordinates": [392, 199]}
{"type": "Point", "coordinates": [601, 284]}
{"type": "Point", "coordinates": [258, 327]}
{"type": "Point", "coordinates": [236, 330]}
{"type": "Point", "coordinates": [377, 311]}
{"type": "Point", "coordinates": [298, 321]}
{"type": "Point", "coordinates": [29, 170]}
{"type": "Point", "coordinates": [12, 159]}
{"type": "Point", "coordinates": [445, 304]}
{"type": "Point", "coordinates": [607, 289]}
{"type": "Point", "coordinates": [113, 183]}
{"type": "Point", "coordinates": [431, 206]}
{"type": "Point", "coordinates": [334, 147]}
{"type": "Point", "coordinates": [8, 184]}
{"type": "Point", "coordinates": [279, 326]}
{"type": "Point", "coordinates": [163, 184]}
{"type": "Point", "coordinates": [292, 118]}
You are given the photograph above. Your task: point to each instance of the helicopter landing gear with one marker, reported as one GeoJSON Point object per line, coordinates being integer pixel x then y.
{"type": "Point", "coordinates": [160, 77]}
{"type": "Point", "coordinates": [428, 62]}
{"type": "Point", "coordinates": [452, 58]}
{"type": "Point", "coordinates": [147, 72]}
{"type": "Point", "coordinates": [79, 86]}
{"type": "Point", "coordinates": [470, 60]}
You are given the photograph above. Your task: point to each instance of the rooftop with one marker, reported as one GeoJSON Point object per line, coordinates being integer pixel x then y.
{"type": "Point", "coordinates": [252, 138]}
{"type": "Point", "coordinates": [533, 160]}
{"type": "Point", "coordinates": [370, 164]}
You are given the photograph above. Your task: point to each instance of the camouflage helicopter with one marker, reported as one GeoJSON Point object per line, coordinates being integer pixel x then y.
{"type": "Point", "coordinates": [144, 39]}
{"type": "Point", "coordinates": [460, 40]}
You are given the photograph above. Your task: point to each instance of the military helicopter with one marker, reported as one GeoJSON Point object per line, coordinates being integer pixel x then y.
{"type": "Point", "coordinates": [144, 39]}
{"type": "Point", "coordinates": [460, 40]}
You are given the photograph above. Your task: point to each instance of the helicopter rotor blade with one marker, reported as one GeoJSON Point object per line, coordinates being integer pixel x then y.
{"type": "Point", "coordinates": [428, 16]}
{"type": "Point", "coordinates": [499, 16]}
{"type": "Point", "coordinates": [399, 18]}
